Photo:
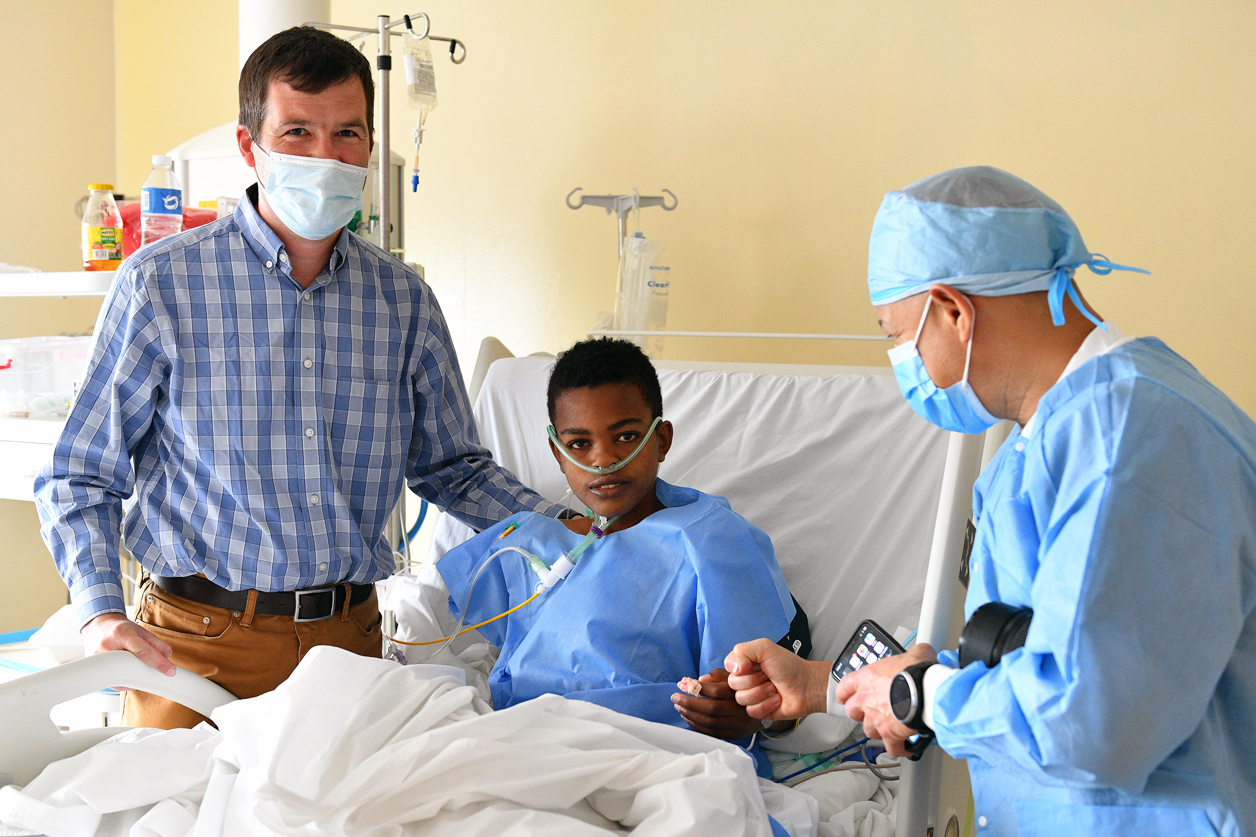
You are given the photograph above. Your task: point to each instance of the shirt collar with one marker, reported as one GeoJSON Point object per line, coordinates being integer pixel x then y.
{"type": "Point", "coordinates": [1097, 343]}
{"type": "Point", "coordinates": [267, 245]}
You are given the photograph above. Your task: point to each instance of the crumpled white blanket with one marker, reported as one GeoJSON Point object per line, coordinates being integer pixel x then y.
{"type": "Point", "coordinates": [354, 746]}
{"type": "Point", "coordinates": [853, 803]}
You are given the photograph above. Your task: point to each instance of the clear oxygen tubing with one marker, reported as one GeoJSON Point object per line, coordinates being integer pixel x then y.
{"type": "Point", "coordinates": [597, 469]}
{"type": "Point", "coordinates": [597, 529]}
{"type": "Point", "coordinates": [533, 562]}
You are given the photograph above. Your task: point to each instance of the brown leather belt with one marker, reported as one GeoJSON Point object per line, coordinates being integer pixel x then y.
{"type": "Point", "coordinates": [302, 605]}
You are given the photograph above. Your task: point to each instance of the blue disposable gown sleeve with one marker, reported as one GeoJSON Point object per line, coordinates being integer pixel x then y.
{"type": "Point", "coordinates": [1136, 595]}
{"type": "Point", "coordinates": [648, 701]}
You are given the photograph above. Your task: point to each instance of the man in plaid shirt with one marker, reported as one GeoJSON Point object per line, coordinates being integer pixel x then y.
{"type": "Point", "coordinates": [262, 388]}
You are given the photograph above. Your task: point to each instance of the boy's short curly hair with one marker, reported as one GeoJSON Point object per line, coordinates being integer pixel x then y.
{"type": "Point", "coordinates": [605, 360]}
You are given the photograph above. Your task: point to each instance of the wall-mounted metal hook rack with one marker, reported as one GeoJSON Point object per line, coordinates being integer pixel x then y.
{"type": "Point", "coordinates": [621, 205]}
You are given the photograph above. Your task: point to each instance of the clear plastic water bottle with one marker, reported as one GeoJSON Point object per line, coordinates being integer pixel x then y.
{"type": "Point", "coordinates": [102, 230]}
{"type": "Point", "coordinates": [161, 202]}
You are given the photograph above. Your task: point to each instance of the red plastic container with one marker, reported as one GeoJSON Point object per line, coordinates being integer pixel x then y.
{"type": "Point", "coordinates": [192, 217]}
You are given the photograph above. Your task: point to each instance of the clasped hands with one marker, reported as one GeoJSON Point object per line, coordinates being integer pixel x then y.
{"type": "Point", "coordinates": [771, 682]}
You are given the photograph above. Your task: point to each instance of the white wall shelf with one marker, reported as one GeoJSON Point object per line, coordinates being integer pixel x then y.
{"type": "Point", "coordinates": [72, 283]}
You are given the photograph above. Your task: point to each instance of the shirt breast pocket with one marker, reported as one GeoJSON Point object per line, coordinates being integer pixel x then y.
{"type": "Point", "coordinates": [361, 420]}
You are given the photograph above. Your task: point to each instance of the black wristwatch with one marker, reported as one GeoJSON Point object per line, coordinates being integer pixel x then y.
{"type": "Point", "coordinates": [907, 696]}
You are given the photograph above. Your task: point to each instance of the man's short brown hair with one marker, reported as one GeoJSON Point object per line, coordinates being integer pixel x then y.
{"type": "Point", "coordinates": [310, 60]}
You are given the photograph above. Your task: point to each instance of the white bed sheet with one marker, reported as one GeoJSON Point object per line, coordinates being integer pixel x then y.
{"type": "Point", "coordinates": [356, 746]}
{"type": "Point", "coordinates": [837, 469]}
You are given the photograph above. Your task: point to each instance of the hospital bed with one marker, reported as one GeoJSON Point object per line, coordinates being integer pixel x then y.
{"type": "Point", "coordinates": [866, 504]}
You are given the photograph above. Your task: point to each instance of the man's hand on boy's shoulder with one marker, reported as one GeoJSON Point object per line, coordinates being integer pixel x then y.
{"type": "Point", "coordinates": [716, 711]}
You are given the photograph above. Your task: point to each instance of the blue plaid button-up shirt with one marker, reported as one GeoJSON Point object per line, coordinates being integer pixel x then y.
{"type": "Point", "coordinates": [263, 428]}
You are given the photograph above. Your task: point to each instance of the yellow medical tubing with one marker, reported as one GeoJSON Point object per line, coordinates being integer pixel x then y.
{"type": "Point", "coordinates": [465, 630]}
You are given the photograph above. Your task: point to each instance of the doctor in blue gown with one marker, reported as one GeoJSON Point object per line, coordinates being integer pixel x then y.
{"type": "Point", "coordinates": [1122, 509]}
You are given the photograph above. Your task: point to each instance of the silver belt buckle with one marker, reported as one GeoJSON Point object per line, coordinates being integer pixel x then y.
{"type": "Point", "coordinates": [329, 592]}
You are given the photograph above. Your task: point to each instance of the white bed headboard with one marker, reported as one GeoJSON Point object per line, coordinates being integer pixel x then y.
{"type": "Point", "coordinates": [836, 468]}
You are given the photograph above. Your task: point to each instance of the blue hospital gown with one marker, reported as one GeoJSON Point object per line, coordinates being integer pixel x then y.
{"type": "Point", "coordinates": [1127, 520]}
{"type": "Point", "coordinates": [665, 599]}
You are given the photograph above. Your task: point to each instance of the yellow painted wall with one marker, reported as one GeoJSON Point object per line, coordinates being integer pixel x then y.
{"type": "Point", "coordinates": [157, 111]}
{"type": "Point", "coordinates": [779, 126]}
{"type": "Point", "coordinates": [57, 97]}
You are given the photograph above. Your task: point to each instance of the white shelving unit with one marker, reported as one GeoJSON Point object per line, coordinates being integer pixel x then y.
{"type": "Point", "coordinates": [26, 443]}
{"type": "Point", "coordinates": [75, 283]}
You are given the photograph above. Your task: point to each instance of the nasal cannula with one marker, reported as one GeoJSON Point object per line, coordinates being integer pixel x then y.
{"type": "Point", "coordinates": [607, 469]}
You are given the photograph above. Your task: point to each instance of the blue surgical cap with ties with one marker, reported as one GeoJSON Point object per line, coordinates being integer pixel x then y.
{"type": "Point", "coordinates": [981, 231]}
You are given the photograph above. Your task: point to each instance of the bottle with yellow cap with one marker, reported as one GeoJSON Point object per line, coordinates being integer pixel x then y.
{"type": "Point", "coordinates": [102, 230]}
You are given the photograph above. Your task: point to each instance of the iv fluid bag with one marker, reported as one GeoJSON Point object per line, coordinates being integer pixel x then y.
{"type": "Point", "coordinates": [641, 304]}
{"type": "Point", "coordinates": [420, 72]}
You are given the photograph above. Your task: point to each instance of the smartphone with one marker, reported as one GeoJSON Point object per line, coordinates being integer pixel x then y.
{"type": "Point", "coordinates": [869, 643]}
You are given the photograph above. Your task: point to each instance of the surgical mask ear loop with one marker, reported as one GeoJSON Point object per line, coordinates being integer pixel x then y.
{"type": "Point", "coordinates": [261, 165]}
{"type": "Point", "coordinates": [968, 355]}
{"type": "Point", "coordinates": [972, 332]}
{"type": "Point", "coordinates": [921, 326]}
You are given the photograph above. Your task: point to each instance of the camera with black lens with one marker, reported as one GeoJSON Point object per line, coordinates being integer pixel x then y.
{"type": "Point", "coordinates": [993, 630]}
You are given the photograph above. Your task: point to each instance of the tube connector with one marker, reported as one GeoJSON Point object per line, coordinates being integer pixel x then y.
{"type": "Point", "coordinates": [557, 572]}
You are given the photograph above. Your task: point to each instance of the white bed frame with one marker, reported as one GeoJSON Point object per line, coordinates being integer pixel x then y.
{"type": "Point", "coordinates": [31, 741]}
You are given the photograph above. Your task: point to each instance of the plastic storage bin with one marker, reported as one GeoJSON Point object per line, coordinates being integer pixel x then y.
{"type": "Point", "coordinates": [39, 375]}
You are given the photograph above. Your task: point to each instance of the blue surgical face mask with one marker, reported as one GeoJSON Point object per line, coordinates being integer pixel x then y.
{"type": "Point", "coordinates": [955, 408]}
{"type": "Point", "coordinates": [314, 197]}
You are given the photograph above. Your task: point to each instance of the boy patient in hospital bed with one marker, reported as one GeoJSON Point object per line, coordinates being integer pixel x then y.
{"type": "Point", "coordinates": [670, 582]}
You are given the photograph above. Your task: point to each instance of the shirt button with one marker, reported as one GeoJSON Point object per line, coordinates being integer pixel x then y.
{"type": "Point", "coordinates": [1020, 446]}
{"type": "Point", "coordinates": [205, 620]}
{"type": "Point", "coordinates": [307, 363]}
{"type": "Point", "coordinates": [309, 432]}
{"type": "Point", "coordinates": [322, 568]}
{"type": "Point", "coordinates": [269, 264]}
{"type": "Point", "coordinates": [307, 297]}
{"type": "Point", "coordinates": [283, 257]}
{"type": "Point", "coordinates": [313, 499]}
{"type": "Point", "coordinates": [981, 821]}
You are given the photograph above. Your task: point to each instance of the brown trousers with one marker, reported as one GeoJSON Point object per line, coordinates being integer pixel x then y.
{"type": "Point", "coordinates": [246, 653]}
